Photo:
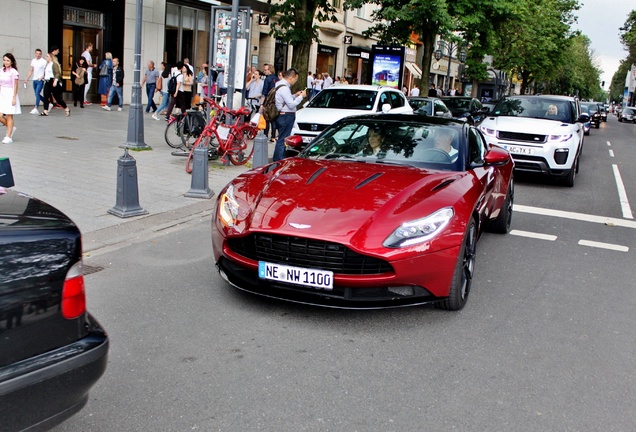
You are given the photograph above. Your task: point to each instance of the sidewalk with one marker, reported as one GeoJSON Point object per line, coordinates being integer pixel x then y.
{"type": "Point", "coordinates": [71, 163]}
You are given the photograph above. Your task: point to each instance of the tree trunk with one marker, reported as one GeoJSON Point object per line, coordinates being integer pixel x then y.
{"type": "Point", "coordinates": [429, 44]}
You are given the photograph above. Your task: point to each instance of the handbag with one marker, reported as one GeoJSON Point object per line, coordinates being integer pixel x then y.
{"type": "Point", "coordinates": [103, 70]}
{"type": "Point", "coordinates": [79, 79]}
{"type": "Point", "coordinates": [6, 175]}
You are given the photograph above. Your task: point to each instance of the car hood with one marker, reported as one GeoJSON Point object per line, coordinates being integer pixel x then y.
{"type": "Point", "coordinates": [526, 125]}
{"type": "Point", "coordinates": [339, 200]}
{"type": "Point", "coordinates": [325, 115]}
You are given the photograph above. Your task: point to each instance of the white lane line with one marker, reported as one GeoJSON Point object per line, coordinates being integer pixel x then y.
{"type": "Point", "coordinates": [609, 144]}
{"type": "Point", "coordinates": [622, 194]}
{"type": "Point", "coordinates": [600, 245]}
{"type": "Point", "coordinates": [611, 152]}
{"type": "Point", "coordinates": [575, 216]}
{"type": "Point", "coordinates": [533, 235]}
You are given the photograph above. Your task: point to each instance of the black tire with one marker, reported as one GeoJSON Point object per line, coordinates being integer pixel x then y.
{"type": "Point", "coordinates": [587, 132]}
{"type": "Point", "coordinates": [202, 141]}
{"type": "Point", "coordinates": [173, 135]}
{"type": "Point", "coordinates": [464, 271]}
{"type": "Point", "coordinates": [501, 225]}
{"type": "Point", "coordinates": [187, 138]}
{"type": "Point", "coordinates": [242, 146]}
{"type": "Point", "coordinates": [569, 179]}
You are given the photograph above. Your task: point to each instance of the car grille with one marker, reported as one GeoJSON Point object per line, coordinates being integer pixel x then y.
{"type": "Point", "coordinates": [518, 136]}
{"type": "Point", "coordinates": [308, 253]}
{"type": "Point", "coordinates": [312, 127]}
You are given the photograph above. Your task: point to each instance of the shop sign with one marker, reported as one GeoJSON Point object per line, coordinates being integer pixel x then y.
{"type": "Point", "coordinates": [83, 17]}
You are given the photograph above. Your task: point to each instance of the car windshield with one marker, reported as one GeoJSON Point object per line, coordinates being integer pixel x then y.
{"type": "Point", "coordinates": [352, 99]}
{"type": "Point", "coordinates": [589, 108]}
{"type": "Point", "coordinates": [628, 111]}
{"type": "Point", "coordinates": [422, 106]}
{"type": "Point", "coordinates": [535, 107]}
{"type": "Point", "coordinates": [397, 143]}
{"type": "Point", "coordinates": [457, 105]}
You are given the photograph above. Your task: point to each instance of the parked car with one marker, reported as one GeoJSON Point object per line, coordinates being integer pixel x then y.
{"type": "Point", "coordinates": [466, 108]}
{"type": "Point", "coordinates": [602, 109]}
{"type": "Point", "coordinates": [430, 106]}
{"type": "Point", "coordinates": [595, 117]}
{"type": "Point", "coordinates": [628, 114]}
{"type": "Point", "coordinates": [543, 133]}
{"type": "Point", "coordinates": [52, 350]}
{"type": "Point", "coordinates": [339, 101]}
{"type": "Point", "coordinates": [380, 210]}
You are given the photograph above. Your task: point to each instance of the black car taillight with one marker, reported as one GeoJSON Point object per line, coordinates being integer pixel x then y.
{"type": "Point", "coordinates": [73, 293]}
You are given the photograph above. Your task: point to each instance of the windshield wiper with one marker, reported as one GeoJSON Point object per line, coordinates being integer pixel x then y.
{"type": "Point", "coordinates": [338, 156]}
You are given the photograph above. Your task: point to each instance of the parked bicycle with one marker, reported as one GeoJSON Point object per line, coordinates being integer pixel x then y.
{"type": "Point", "coordinates": [234, 141]}
{"type": "Point", "coordinates": [183, 129]}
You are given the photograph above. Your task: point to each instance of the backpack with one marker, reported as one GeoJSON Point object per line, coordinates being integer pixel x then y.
{"type": "Point", "coordinates": [270, 112]}
{"type": "Point", "coordinates": [172, 84]}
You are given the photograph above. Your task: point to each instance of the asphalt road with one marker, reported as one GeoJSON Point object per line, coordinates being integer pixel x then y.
{"type": "Point", "coordinates": [545, 343]}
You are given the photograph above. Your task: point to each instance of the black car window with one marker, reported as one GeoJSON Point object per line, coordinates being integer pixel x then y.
{"type": "Point", "coordinates": [476, 146]}
{"type": "Point", "coordinates": [397, 101]}
{"type": "Point", "coordinates": [344, 99]}
{"type": "Point", "coordinates": [440, 107]}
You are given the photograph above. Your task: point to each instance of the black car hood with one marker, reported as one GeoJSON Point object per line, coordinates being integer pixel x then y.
{"type": "Point", "coordinates": [18, 210]}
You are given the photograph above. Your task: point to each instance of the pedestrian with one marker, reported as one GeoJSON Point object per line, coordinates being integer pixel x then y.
{"type": "Point", "coordinates": [220, 83]}
{"type": "Point", "coordinates": [165, 97]}
{"type": "Point", "coordinates": [328, 81]}
{"type": "Point", "coordinates": [286, 104]}
{"type": "Point", "coordinates": [89, 70]}
{"type": "Point", "coordinates": [431, 91]}
{"type": "Point", "coordinates": [79, 81]}
{"type": "Point", "coordinates": [255, 90]}
{"type": "Point", "coordinates": [310, 85]}
{"type": "Point", "coordinates": [202, 81]}
{"type": "Point", "coordinates": [177, 99]}
{"type": "Point", "coordinates": [105, 74]}
{"type": "Point", "coordinates": [415, 91]}
{"type": "Point", "coordinates": [9, 100]}
{"type": "Point", "coordinates": [150, 80]}
{"type": "Point", "coordinates": [117, 86]}
{"type": "Point", "coordinates": [53, 86]}
{"type": "Point", "coordinates": [405, 90]}
{"type": "Point", "coordinates": [318, 82]}
{"type": "Point", "coordinates": [38, 64]}
{"type": "Point", "coordinates": [188, 82]}
{"type": "Point", "coordinates": [268, 84]}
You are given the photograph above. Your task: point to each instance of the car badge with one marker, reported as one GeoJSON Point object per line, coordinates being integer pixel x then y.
{"type": "Point", "coordinates": [314, 127]}
{"type": "Point", "coordinates": [299, 226]}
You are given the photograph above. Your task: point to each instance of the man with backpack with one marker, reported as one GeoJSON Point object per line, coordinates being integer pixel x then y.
{"type": "Point", "coordinates": [175, 90]}
{"type": "Point", "coordinates": [286, 104]}
{"type": "Point", "coordinates": [270, 82]}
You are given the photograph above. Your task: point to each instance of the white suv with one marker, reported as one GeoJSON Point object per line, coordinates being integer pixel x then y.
{"type": "Point", "coordinates": [339, 101]}
{"type": "Point", "coordinates": [543, 133]}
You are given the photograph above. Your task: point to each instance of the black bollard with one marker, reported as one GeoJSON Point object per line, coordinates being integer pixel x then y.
{"type": "Point", "coordinates": [127, 201]}
{"type": "Point", "coordinates": [199, 183]}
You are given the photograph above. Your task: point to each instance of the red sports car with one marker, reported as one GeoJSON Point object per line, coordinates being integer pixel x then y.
{"type": "Point", "coordinates": [379, 210]}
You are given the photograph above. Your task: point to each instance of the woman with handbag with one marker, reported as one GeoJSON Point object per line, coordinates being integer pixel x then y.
{"type": "Point", "coordinates": [105, 77]}
{"type": "Point", "coordinates": [79, 81]}
{"type": "Point", "coordinates": [53, 85]}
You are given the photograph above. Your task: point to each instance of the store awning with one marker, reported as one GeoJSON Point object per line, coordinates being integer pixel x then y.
{"type": "Point", "coordinates": [415, 70]}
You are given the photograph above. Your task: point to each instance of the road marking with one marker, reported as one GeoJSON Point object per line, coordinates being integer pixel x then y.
{"type": "Point", "coordinates": [609, 144]}
{"type": "Point", "coordinates": [611, 152]}
{"type": "Point", "coordinates": [600, 245]}
{"type": "Point", "coordinates": [575, 216]}
{"type": "Point", "coordinates": [622, 194]}
{"type": "Point", "coordinates": [533, 235]}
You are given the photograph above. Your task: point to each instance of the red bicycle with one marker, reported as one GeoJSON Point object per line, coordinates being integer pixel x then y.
{"type": "Point", "coordinates": [234, 141]}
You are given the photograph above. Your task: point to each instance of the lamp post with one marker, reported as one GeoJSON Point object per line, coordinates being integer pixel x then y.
{"type": "Point", "coordinates": [451, 48]}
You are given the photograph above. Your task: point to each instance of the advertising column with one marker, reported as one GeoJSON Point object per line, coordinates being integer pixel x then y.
{"type": "Point", "coordinates": [387, 65]}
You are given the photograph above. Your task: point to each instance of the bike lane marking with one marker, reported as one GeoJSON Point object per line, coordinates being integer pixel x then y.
{"type": "Point", "coordinates": [601, 245]}
{"type": "Point", "coordinates": [575, 216]}
{"type": "Point", "coordinates": [534, 235]}
{"type": "Point", "coordinates": [622, 193]}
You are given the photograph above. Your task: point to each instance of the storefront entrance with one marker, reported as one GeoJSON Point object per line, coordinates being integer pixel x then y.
{"type": "Point", "coordinates": [326, 60]}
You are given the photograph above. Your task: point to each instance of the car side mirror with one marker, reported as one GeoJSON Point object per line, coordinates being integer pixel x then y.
{"type": "Point", "coordinates": [583, 118]}
{"type": "Point", "coordinates": [386, 108]}
{"type": "Point", "coordinates": [496, 156]}
{"type": "Point", "coordinates": [295, 142]}
{"type": "Point", "coordinates": [439, 113]}
{"type": "Point", "coordinates": [485, 110]}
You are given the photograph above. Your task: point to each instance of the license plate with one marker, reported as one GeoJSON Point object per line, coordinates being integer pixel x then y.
{"type": "Point", "coordinates": [320, 279]}
{"type": "Point", "coordinates": [519, 150]}
{"type": "Point", "coordinates": [307, 139]}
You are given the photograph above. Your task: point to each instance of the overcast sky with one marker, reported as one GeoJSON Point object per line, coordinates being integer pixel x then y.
{"type": "Point", "coordinates": [600, 20]}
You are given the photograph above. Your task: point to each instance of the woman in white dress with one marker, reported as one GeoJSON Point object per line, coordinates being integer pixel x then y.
{"type": "Point", "coordinates": [9, 100]}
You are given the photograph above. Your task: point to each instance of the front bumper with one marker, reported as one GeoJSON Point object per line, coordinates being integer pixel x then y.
{"type": "Point", "coordinates": [43, 391]}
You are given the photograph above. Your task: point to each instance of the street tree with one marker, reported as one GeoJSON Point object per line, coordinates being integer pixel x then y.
{"type": "Point", "coordinates": [294, 22]}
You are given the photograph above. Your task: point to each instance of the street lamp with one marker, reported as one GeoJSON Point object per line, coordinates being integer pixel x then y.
{"type": "Point", "coordinates": [451, 48]}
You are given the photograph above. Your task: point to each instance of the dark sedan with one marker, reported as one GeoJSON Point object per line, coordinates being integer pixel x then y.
{"type": "Point", "coordinates": [51, 350]}
{"type": "Point", "coordinates": [466, 108]}
{"type": "Point", "coordinates": [595, 116]}
{"type": "Point", "coordinates": [430, 106]}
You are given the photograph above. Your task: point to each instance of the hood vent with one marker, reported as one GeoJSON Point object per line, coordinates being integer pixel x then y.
{"type": "Point", "coordinates": [443, 184]}
{"type": "Point", "coordinates": [369, 180]}
{"type": "Point", "coordinates": [315, 175]}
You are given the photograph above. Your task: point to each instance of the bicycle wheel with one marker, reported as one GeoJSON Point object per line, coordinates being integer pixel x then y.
{"type": "Point", "coordinates": [201, 141]}
{"type": "Point", "coordinates": [191, 129]}
{"type": "Point", "coordinates": [173, 134]}
{"type": "Point", "coordinates": [243, 145]}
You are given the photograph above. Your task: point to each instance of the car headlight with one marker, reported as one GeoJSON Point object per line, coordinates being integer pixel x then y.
{"type": "Point", "coordinates": [486, 131]}
{"type": "Point", "coordinates": [228, 207]}
{"type": "Point", "coordinates": [559, 138]}
{"type": "Point", "coordinates": [420, 230]}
